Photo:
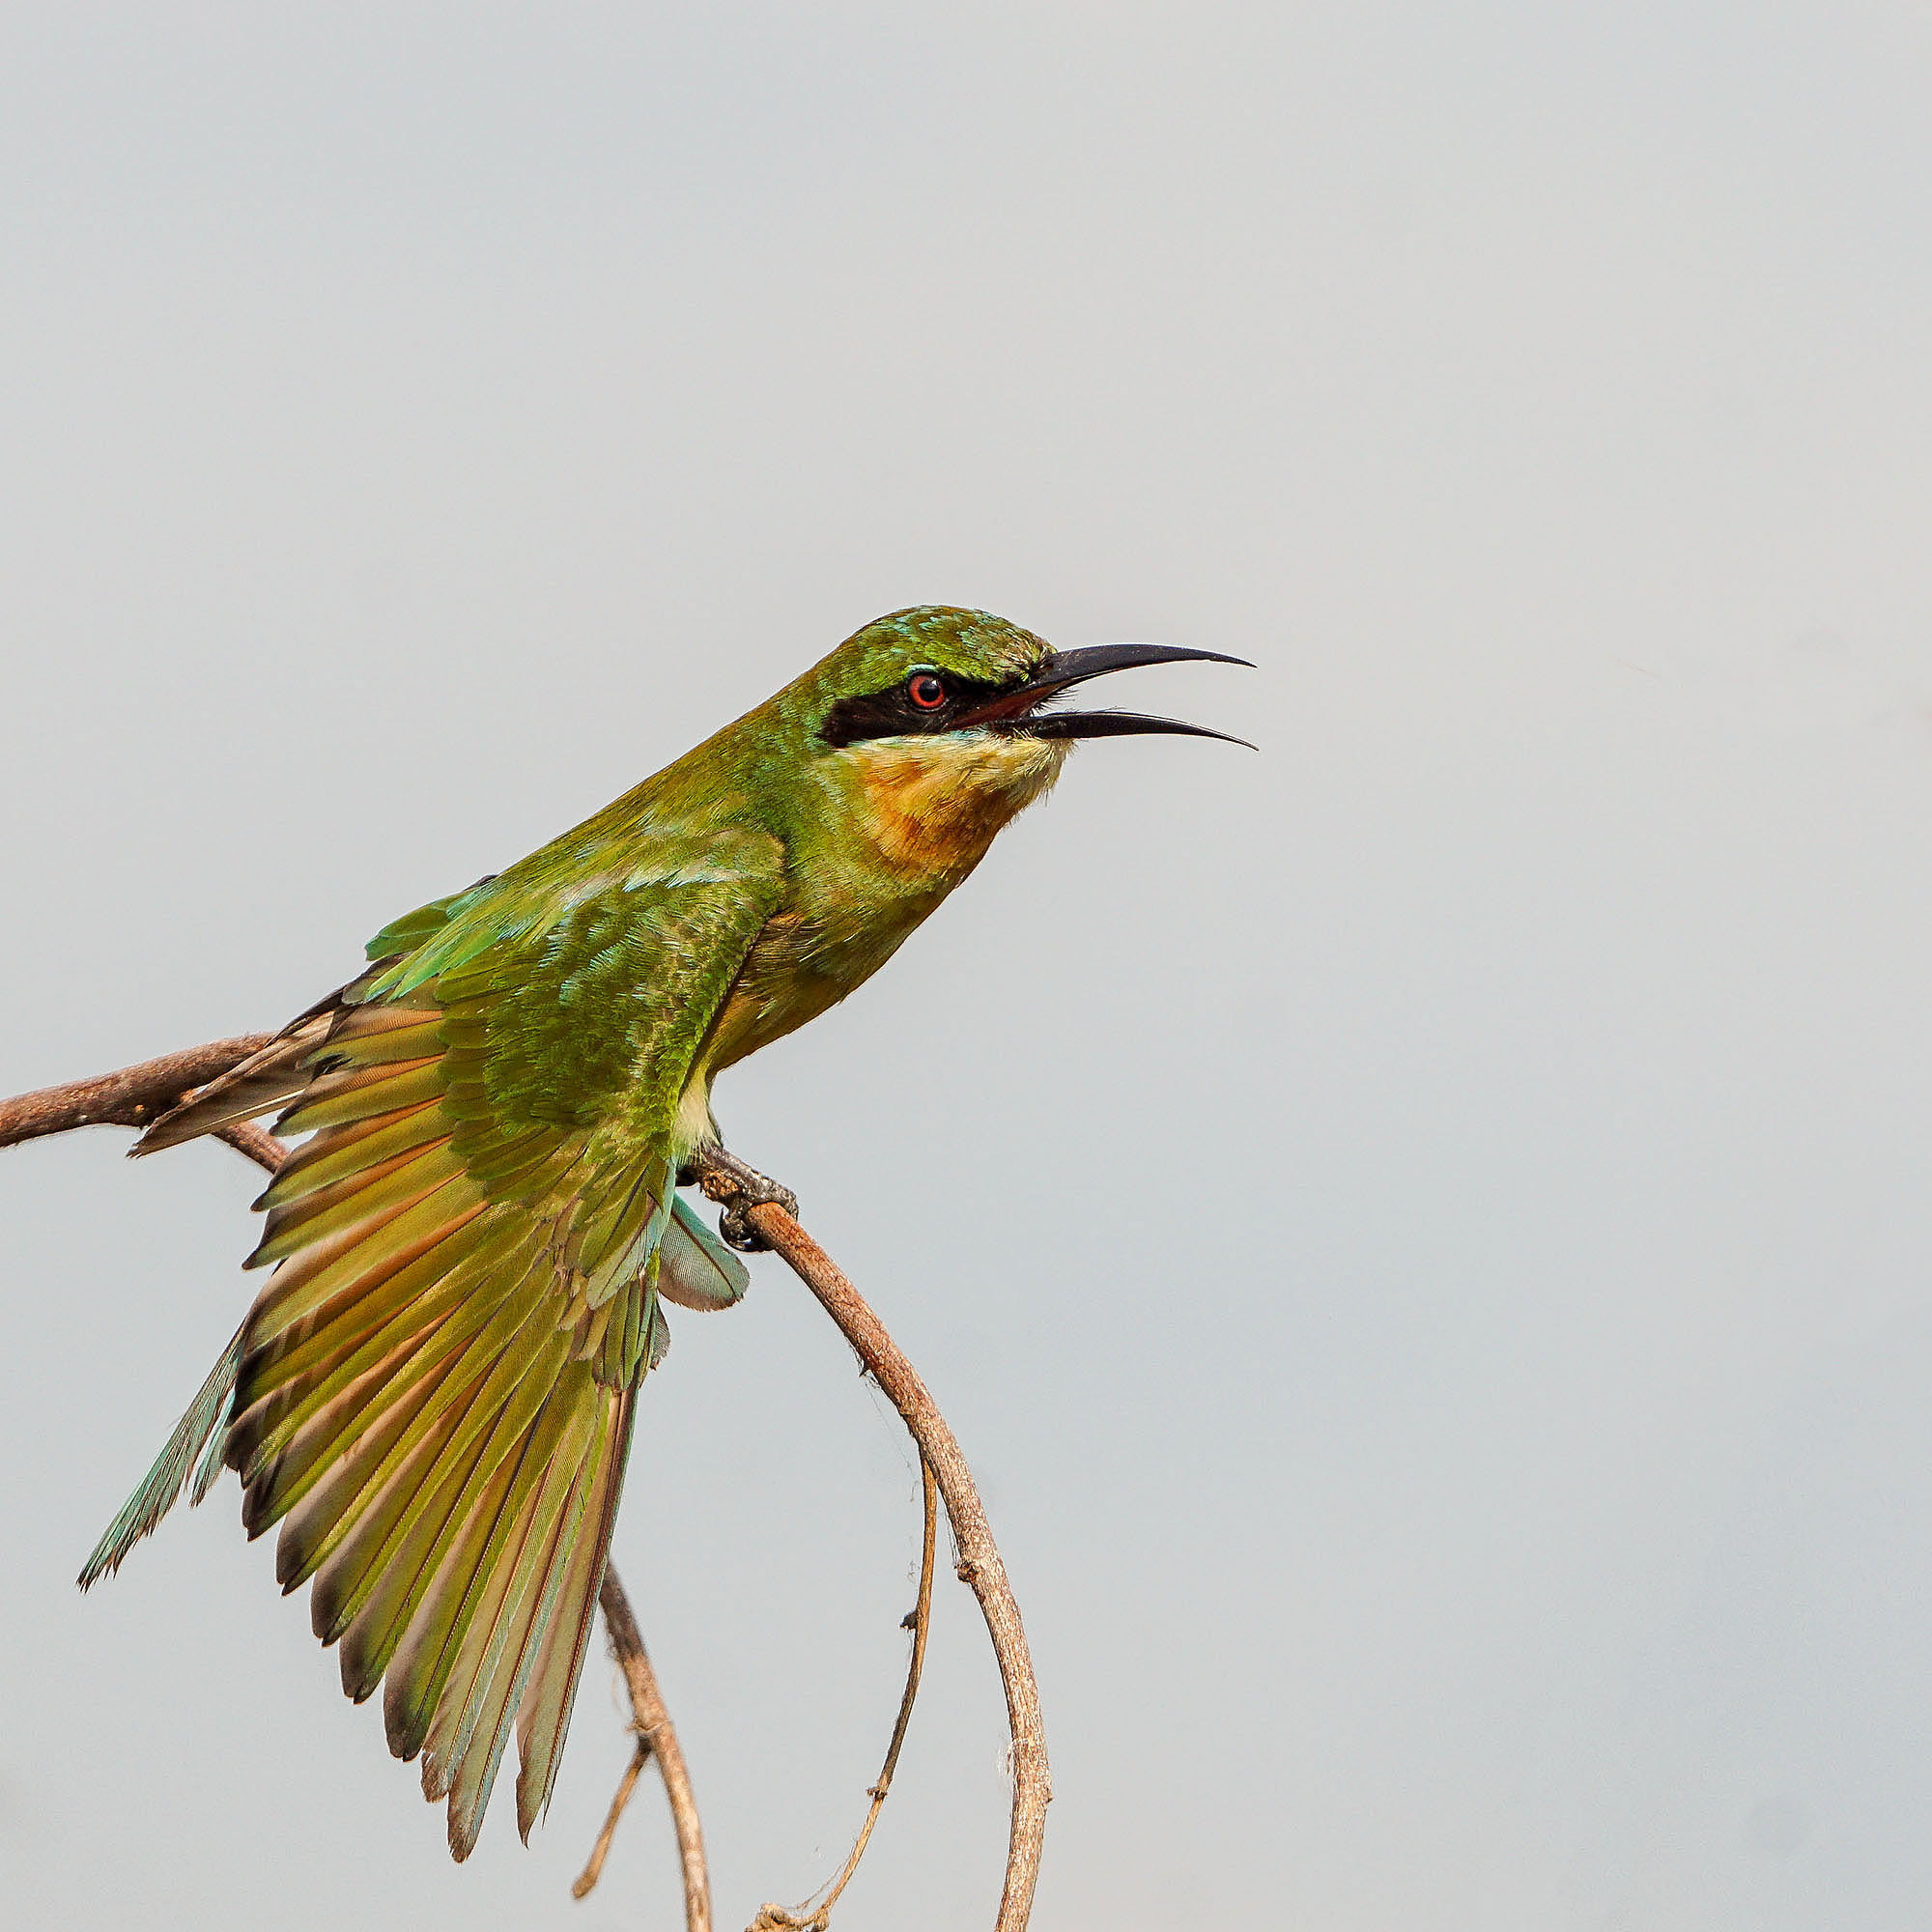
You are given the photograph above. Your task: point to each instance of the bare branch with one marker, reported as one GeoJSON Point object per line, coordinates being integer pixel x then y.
{"type": "Point", "coordinates": [128, 1098]}
{"type": "Point", "coordinates": [921, 1627]}
{"type": "Point", "coordinates": [980, 1565]}
{"type": "Point", "coordinates": [593, 1869]}
{"type": "Point", "coordinates": [256, 1142]}
{"type": "Point", "coordinates": [656, 1738]}
{"type": "Point", "coordinates": [809, 1917]}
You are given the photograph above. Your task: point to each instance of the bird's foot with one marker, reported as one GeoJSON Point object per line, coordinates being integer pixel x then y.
{"type": "Point", "coordinates": [740, 1186]}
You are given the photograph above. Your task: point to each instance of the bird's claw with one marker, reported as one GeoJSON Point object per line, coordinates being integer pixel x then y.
{"type": "Point", "coordinates": [750, 1189]}
{"type": "Point", "coordinates": [735, 1224]}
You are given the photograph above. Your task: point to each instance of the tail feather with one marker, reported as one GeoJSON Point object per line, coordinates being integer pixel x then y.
{"type": "Point", "coordinates": [696, 1269]}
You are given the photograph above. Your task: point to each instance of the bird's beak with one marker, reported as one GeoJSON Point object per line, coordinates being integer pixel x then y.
{"type": "Point", "coordinates": [1018, 710]}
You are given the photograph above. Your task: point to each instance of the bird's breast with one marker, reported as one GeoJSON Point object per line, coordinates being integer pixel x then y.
{"type": "Point", "coordinates": [803, 964]}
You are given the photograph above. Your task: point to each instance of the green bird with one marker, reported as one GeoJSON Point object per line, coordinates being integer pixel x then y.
{"type": "Point", "coordinates": [432, 1395]}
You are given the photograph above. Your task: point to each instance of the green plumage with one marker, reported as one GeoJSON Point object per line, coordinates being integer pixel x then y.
{"type": "Point", "coordinates": [433, 1394]}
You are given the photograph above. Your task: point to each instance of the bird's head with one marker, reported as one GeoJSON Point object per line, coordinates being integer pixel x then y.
{"type": "Point", "coordinates": [935, 725]}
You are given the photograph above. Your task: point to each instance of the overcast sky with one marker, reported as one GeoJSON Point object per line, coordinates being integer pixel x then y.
{"type": "Point", "coordinates": [1425, 1233]}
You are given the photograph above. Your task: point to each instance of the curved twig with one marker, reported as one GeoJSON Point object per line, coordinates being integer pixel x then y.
{"type": "Point", "coordinates": [980, 1565]}
{"type": "Point", "coordinates": [809, 1917]}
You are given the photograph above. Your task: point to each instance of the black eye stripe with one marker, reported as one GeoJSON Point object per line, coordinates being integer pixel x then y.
{"type": "Point", "coordinates": [898, 712]}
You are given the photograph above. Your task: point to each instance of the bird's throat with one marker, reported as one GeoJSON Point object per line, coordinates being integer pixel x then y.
{"type": "Point", "coordinates": [932, 806]}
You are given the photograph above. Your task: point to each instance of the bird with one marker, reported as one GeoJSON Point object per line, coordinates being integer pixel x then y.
{"type": "Point", "coordinates": [472, 1247]}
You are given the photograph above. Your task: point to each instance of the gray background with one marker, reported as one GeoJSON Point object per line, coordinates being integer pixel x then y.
{"type": "Point", "coordinates": [1424, 1233]}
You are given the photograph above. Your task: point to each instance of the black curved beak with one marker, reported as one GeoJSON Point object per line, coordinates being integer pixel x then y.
{"type": "Point", "coordinates": [1018, 710]}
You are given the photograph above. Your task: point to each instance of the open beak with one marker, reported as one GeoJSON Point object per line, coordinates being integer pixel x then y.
{"type": "Point", "coordinates": [1018, 711]}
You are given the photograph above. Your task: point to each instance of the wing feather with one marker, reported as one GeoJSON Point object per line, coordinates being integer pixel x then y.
{"type": "Point", "coordinates": [435, 1392]}
{"type": "Point", "coordinates": [543, 1717]}
{"type": "Point", "coordinates": [437, 1385]}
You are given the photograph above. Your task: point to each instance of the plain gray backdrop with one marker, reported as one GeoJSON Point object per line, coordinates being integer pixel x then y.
{"type": "Point", "coordinates": [1424, 1232]}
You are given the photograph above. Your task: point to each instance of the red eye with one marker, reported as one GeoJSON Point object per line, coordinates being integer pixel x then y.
{"type": "Point", "coordinates": [926, 690]}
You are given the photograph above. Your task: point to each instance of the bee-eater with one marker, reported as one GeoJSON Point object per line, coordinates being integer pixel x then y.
{"type": "Point", "coordinates": [433, 1394]}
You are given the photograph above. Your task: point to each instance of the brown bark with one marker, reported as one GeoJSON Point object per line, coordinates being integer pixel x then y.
{"type": "Point", "coordinates": [128, 1098]}
{"type": "Point", "coordinates": [656, 1738]}
{"type": "Point", "coordinates": [979, 1566]}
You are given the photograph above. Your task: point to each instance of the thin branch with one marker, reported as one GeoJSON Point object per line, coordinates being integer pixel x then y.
{"type": "Point", "coordinates": [818, 1919]}
{"type": "Point", "coordinates": [132, 1099]}
{"type": "Point", "coordinates": [593, 1869]}
{"type": "Point", "coordinates": [980, 1565]}
{"type": "Point", "coordinates": [128, 1098]}
{"type": "Point", "coordinates": [256, 1142]}
{"type": "Point", "coordinates": [656, 1738]}
{"type": "Point", "coordinates": [921, 1628]}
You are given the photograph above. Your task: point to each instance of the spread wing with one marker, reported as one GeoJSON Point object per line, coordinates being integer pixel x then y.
{"type": "Point", "coordinates": [436, 1388]}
